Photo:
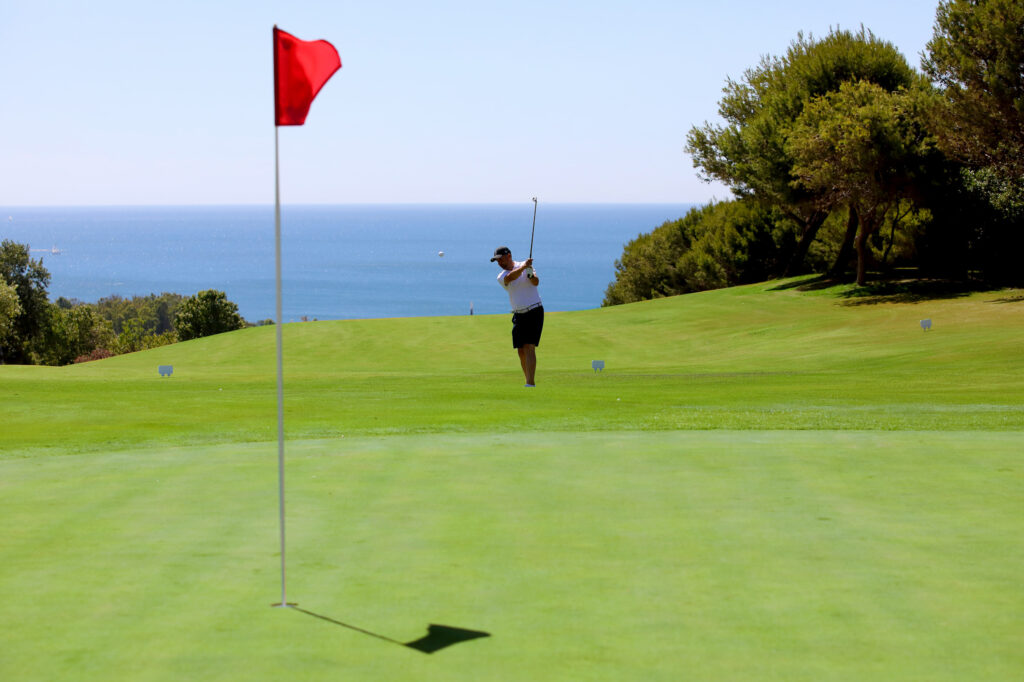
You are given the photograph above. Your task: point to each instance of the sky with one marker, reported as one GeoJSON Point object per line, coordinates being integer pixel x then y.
{"type": "Point", "coordinates": [115, 102]}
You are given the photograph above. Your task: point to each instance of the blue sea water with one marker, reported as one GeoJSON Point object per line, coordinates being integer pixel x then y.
{"type": "Point", "coordinates": [338, 262]}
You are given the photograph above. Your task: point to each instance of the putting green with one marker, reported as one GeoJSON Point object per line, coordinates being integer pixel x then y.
{"type": "Point", "coordinates": [798, 555]}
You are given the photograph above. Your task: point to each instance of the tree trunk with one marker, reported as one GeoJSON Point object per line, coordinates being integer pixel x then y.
{"type": "Point", "coordinates": [868, 224]}
{"type": "Point", "coordinates": [862, 266]}
{"type": "Point", "coordinates": [810, 231]}
{"type": "Point", "coordinates": [896, 219]}
{"type": "Point", "coordinates": [846, 250]}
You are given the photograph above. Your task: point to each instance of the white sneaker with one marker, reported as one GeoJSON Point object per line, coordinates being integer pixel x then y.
{"type": "Point", "coordinates": [530, 386]}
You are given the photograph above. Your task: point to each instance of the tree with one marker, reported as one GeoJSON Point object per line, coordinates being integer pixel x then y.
{"type": "Point", "coordinates": [131, 339]}
{"type": "Point", "coordinates": [749, 153]}
{"type": "Point", "coordinates": [72, 333]}
{"type": "Point", "coordinates": [29, 279]}
{"type": "Point", "coordinates": [713, 246]}
{"type": "Point", "coordinates": [737, 242]}
{"type": "Point", "coordinates": [646, 269]}
{"type": "Point", "coordinates": [976, 55]}
{"type": "Point", "coordinates": [864, 147]}
{"type": "Point", "coordinates": [10, 308]}
{"type": "Point", "coordinates": [154, 313]}
{"type": "Point", "coordinates": [135, 337]}
{"type": "Point", "coordinates": [163, 309]}
{"type": "Point", "coordinates": [208, 312]}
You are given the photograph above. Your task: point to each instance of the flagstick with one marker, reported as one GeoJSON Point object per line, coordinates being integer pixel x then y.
{"type": "Point", "coordinates": [280, 371]}
{"type": "Point", "coordinates": [307, 65]}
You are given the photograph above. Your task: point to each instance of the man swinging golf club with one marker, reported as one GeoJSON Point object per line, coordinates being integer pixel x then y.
{"type": "Point", "coordinates": [520, 282]}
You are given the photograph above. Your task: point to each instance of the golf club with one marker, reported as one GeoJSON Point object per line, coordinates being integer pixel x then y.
{"type": "Point", "coordinates": [534, 225]}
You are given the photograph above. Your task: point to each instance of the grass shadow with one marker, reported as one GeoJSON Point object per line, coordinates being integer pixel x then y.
{"type": "Point", "coordinates": [1019, 298]}
{"type": "Point", "coordinates": [899, 286]}
{"type": "Point", "coordinates": [910, 291]}
{"type": "Point", "coordinates": [815, 283]}
{"type": "Point", "coordinates": [438, 636]}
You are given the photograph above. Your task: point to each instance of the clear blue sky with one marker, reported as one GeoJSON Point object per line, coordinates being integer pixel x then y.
{"type": "Point", "coordinates": [451, 101]}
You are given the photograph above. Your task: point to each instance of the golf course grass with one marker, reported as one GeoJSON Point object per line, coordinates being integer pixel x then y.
{"type": "Point", "coordinates": [765, 483]}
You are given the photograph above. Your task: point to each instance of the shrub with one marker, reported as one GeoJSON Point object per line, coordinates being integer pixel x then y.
{"type": "Point", "coordinates": [96, 354]}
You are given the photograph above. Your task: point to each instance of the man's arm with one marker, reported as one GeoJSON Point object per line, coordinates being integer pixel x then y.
{"type": "Point", "coordinates": [514, 273]}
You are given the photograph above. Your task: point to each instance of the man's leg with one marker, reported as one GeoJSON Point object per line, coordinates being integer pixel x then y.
{"type": "Point", "coordinates": [528, 359]}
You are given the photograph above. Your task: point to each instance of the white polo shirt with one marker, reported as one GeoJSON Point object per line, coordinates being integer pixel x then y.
{"type": "Point", "coordinates": [521, 292]}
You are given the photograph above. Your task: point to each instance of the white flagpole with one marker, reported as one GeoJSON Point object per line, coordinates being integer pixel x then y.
{"type": "Point", "coordinates": [280, 371]}
{"type": "Point", "coordinates": [321, 76]}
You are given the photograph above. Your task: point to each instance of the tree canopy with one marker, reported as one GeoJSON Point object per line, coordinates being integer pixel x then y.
{"type": "Point", "coordinates": [9, 310]}
{"type": "Point", "coordinates": [977, 57]}
{"type": "Point", "coordinates": [717, 245]}
{"type": "Point", "coordinates": [73, 333]}
{"type": "Point", "coordinates": [750, 154]}
{"type": "Point", "coordinates": [34, 330]}
{"type": "Point", "coordinates": [208, 312]}
{"type": "Point", "coordinates": [29, 279]}
{"type": "Point", "coordinates": [859, 152]}
{"type": "Point", "coordinates": [864, 147]}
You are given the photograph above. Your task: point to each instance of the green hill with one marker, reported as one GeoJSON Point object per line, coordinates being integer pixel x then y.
{"type": "Point", "coordinates": [756, 357]}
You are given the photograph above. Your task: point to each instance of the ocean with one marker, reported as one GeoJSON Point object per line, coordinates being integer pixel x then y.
{"type": "Point", "coordinates": [338, 262]}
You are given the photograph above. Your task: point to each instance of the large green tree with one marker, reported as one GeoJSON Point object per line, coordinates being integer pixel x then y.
{"type": "Point", "coordinates": [864, 147]}
{"type": "Point", "coordinates": [208, 312]}
{"type": "Point", "coordinates": [30, 280]}
{"type": "Point", "coordinates": [749, 153]}
{"type": "Point", "coordinates": [976, 55]}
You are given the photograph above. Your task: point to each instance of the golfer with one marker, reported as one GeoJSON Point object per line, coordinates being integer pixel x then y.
{"type": "Point", "coordinates": [520, 281]}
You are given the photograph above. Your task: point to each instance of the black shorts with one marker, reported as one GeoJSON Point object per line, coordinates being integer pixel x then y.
{"type": "Point", "coordinates": [526, 327]}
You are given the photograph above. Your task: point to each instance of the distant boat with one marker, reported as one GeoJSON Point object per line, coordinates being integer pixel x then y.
{"type": "Point", "coordinates": [53, 250]}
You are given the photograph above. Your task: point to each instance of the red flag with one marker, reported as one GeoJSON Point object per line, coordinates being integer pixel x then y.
{"type": "Point", "coordinates": [301, 68]}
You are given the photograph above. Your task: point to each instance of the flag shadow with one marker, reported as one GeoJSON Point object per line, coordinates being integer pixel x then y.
{"type": "Point", "coordinates": [438, 636]}
{"type": "Point", "coordinates": [441, 636]}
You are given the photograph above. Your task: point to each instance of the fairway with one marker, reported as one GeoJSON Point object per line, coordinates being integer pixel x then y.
{"type": "Point", "coordinates": [763, 484]}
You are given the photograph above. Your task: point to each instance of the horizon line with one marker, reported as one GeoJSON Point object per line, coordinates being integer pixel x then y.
{"type": "Point", "coordinates": [364, 203]}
